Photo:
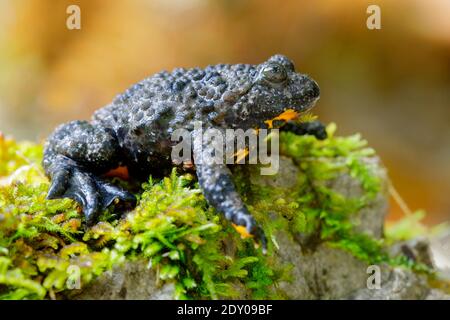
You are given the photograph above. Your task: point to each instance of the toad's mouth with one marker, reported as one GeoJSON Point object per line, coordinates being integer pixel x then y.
{"type": "Point", "coordinates": [305, 104]}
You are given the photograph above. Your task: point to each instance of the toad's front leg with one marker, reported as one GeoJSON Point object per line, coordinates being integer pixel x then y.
{"type": "Point", "coordinates": [216, 182]}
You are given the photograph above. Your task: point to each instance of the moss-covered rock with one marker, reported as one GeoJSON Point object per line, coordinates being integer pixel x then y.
{"type": "Point", "coordinates": [323, 214]}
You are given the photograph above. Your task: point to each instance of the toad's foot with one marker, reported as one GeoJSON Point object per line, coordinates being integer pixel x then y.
{"type": "Point", "coordinates": [314, 128]}
{"type": "Point", "coordinates": [247, 227]}
{"type": "Point", "coordinates": [91, 192]}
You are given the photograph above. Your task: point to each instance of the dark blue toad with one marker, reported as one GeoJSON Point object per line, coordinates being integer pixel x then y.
{"type": "Point", "coordinates": [134, 131]}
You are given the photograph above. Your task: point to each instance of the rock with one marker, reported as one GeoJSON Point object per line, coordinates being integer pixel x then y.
{"type": "Point", "coordinates": [435, 294]}
{"type": "Point", "coordinates": [440, 254]}
{"type": "Point", "coordinates": [324, 273]}
{"type": "Point", "coordinates": [399, 284]}
{"type": "Point", "coordinates": [129, 281]}
{"type": "Point", "coordinates": [417, 250]}
{"type": "Point", "coordinates": [319, 271]}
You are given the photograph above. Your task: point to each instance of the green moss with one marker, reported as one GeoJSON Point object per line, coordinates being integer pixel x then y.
{"type": "Point", "coordinates": [174, 229]}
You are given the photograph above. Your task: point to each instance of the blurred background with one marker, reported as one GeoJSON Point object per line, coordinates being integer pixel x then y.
{"type": "Point", "coordinates": [391, 85]}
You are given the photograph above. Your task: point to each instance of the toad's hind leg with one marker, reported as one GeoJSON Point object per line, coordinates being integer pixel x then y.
{"type": "Point", "coordinates": [75, 156]}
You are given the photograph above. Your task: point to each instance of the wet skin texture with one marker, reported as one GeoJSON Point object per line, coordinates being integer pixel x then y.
{"type": "Point", "coordinates": [135, 131]}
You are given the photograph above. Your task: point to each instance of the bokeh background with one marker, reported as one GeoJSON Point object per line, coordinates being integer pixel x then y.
{"type": "Point", "coordinates": [391, 85]}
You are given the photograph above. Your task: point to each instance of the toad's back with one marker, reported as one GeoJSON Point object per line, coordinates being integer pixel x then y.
{"type": "Point", "coordinates": [144, 116]}
{"type": "Point", "coordinates": [170, 100]}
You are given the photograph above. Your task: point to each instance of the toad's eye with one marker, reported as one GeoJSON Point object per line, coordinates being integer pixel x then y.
{"type": "Point", "coordinates": [274, 72]}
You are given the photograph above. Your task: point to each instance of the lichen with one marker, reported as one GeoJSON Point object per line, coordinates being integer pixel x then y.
{"type": "Point", "coordinates": [173, 228]}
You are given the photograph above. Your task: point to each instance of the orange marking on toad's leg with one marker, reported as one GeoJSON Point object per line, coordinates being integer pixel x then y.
{"type": "Point", "coordinates": [286, 116]}
{"type": "Point", "coordinates": [120, 172]}
{"type": "Point", "coordinates": [242, 231]}
{"type": "Point", "coordinates": [241, 154]}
